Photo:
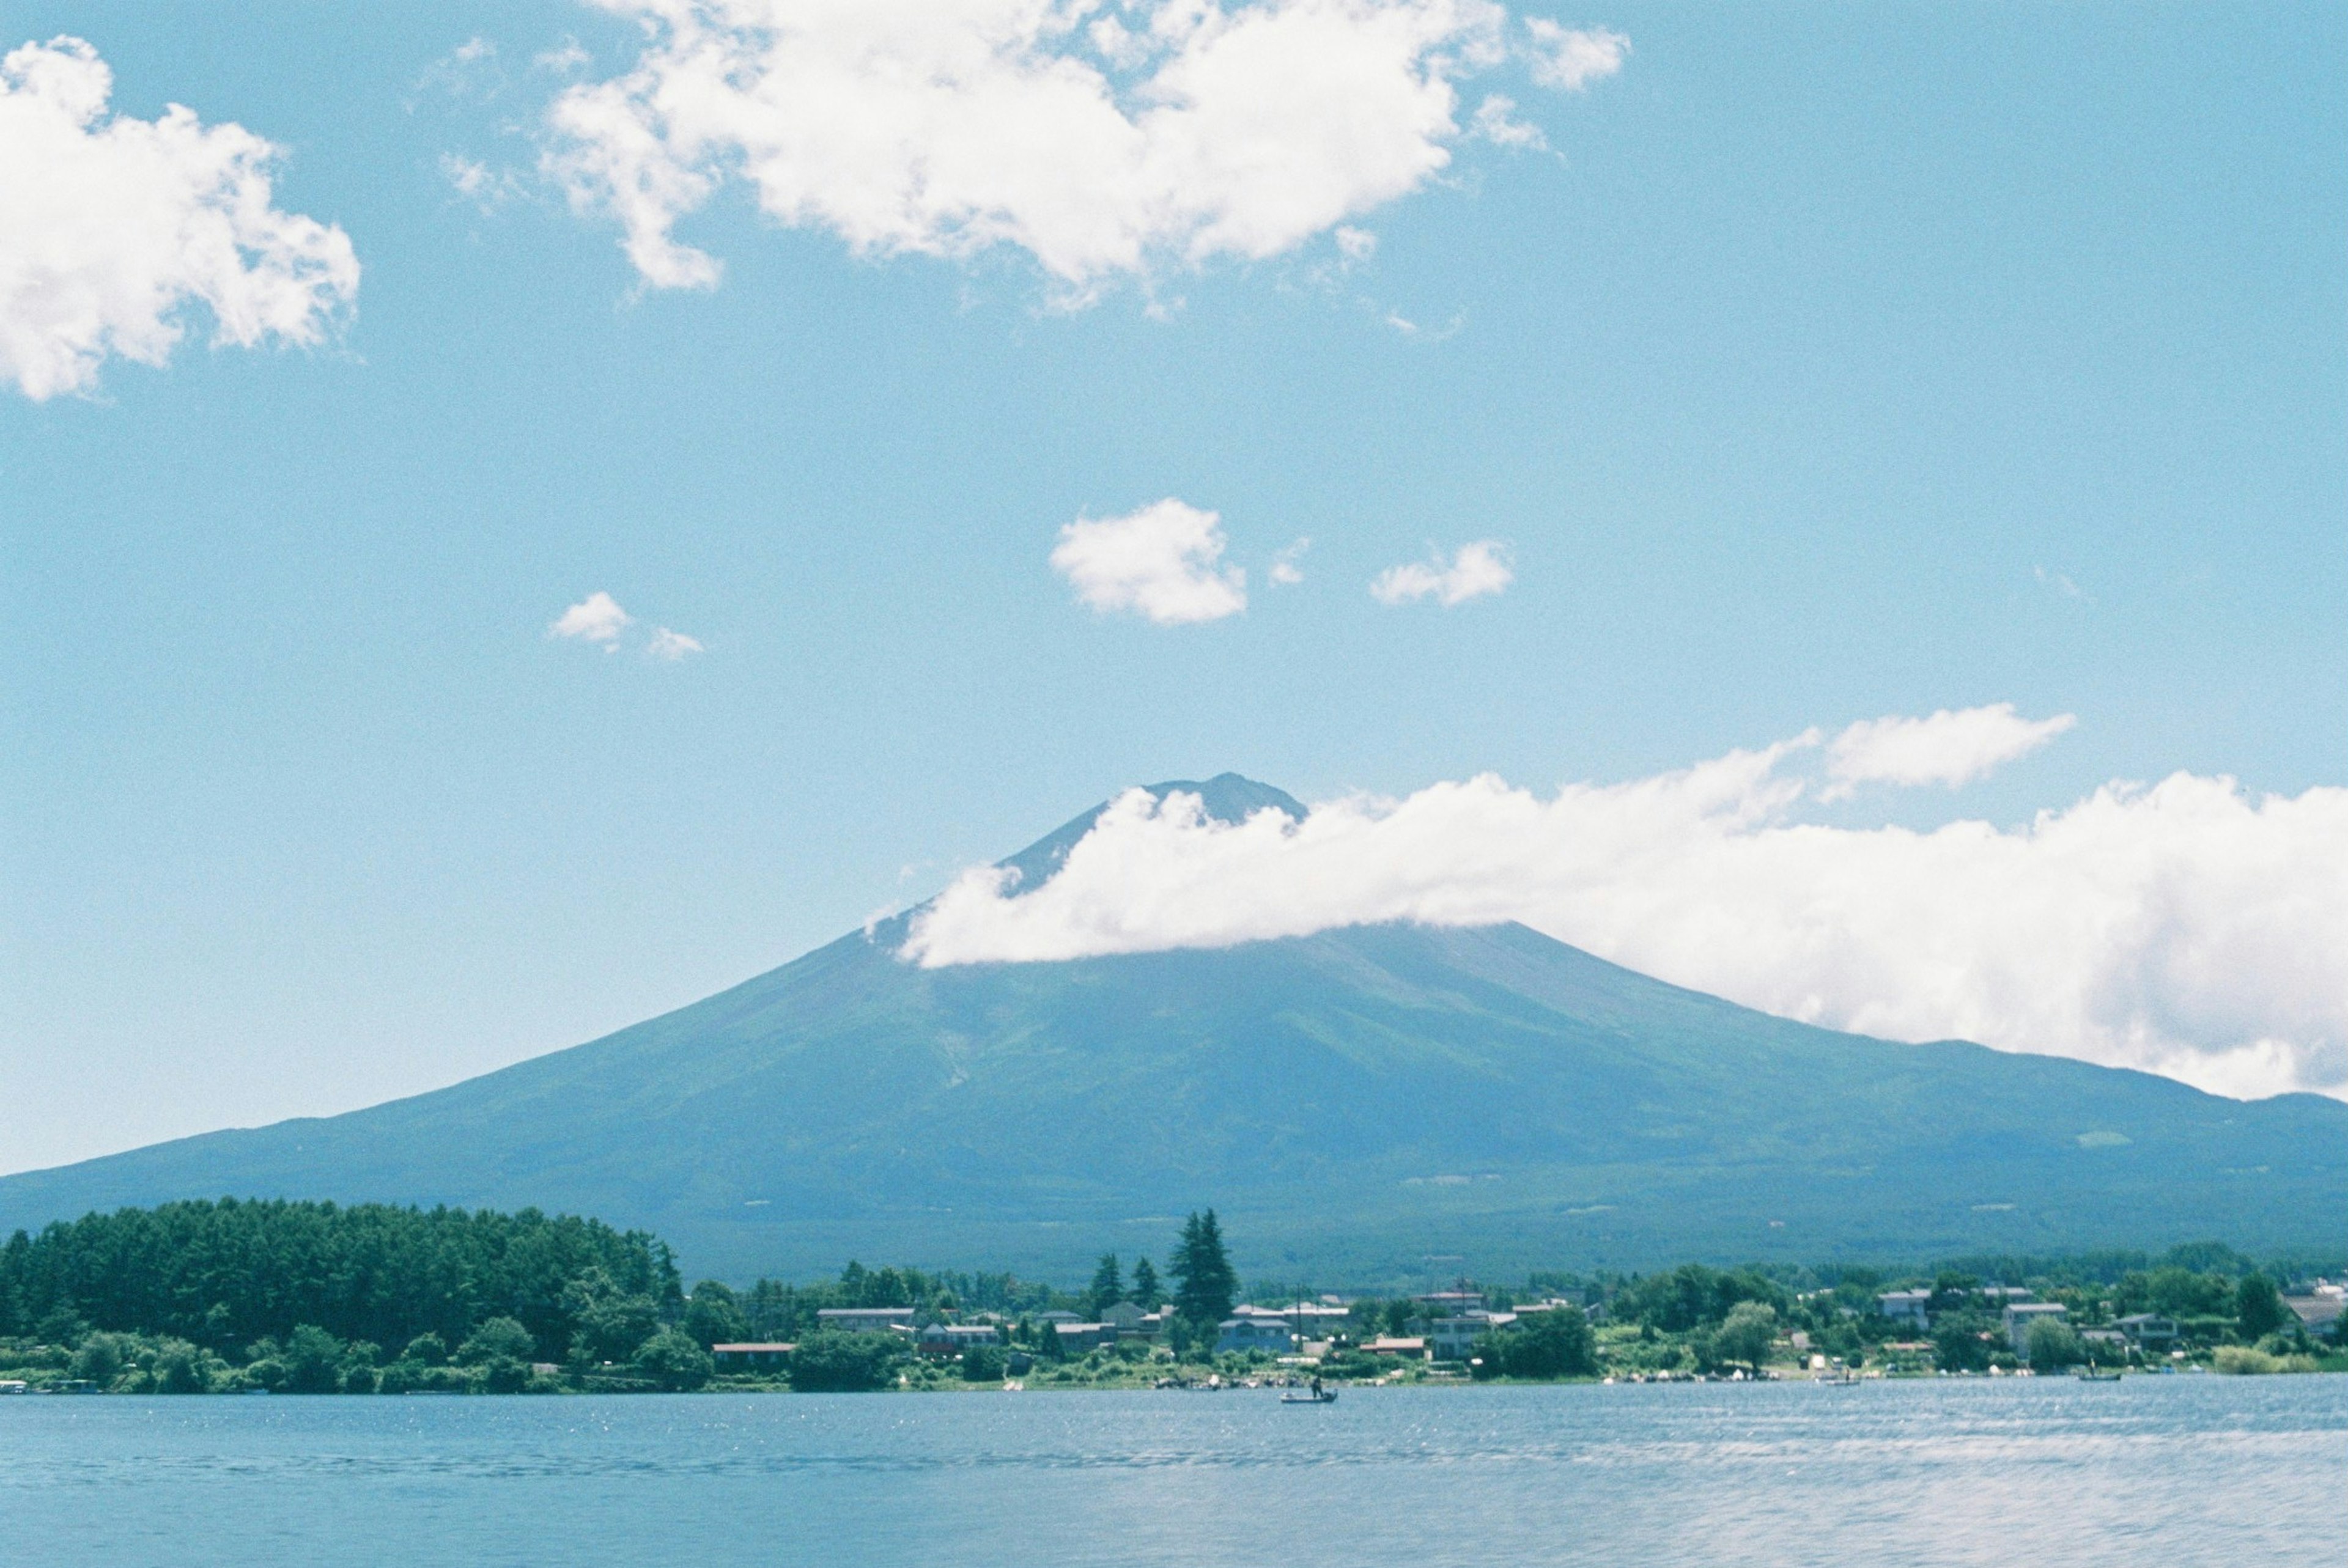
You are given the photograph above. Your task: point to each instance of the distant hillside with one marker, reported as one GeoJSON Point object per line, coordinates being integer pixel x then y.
{"type": "Point", "coordinates": [1361, 1105]}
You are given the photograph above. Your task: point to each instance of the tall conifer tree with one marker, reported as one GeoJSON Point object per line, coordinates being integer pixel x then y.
{"type": "Point", "coordinates": [1205, 1283]}
{"type": "Point", "coordinates": [1107, 1287]}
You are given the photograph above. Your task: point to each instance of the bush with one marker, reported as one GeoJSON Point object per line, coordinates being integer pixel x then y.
{"type": "Point", "coordinates": [2241, 1360]}
{"type": "Point", "coordinates": [181, 1369]}
{"type": "Point", "coordinates": [982, 1364]}
{"type": "Point", "coordinates": [2052, 1346]}
{"type": "Point", "coordinates": [676, 1360]}
{"type": "Point", "coordinates": [497, 1340]}
{"type": "Point", "coordinates": [504, 1375]}
{"type": "Point", "coordinates": [831, 1362]}
{"type": "Point", "coordinates": [100, 1358]}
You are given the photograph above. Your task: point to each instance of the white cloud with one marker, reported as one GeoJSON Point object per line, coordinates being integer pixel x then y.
{"type": "Point", "coordinates": [1496, 121]}
{"type": "Point", "coordinates": [2188, 929]}
{"type": "Point", "coordinates": [1104, 140]}
{"type": "Point", "coordinates": [486, 187]}
{"type": "Point", "coordinates": [113, 229]}
{"type": "Point", "coordinates": [1284, 568]}
{"type": "Point", "coordinates": [597, 617]}
{"type": "Point", "coordinates": [1948, 748]}
{"type": "Point", "coordinates": [1477, 569]}
{"type": "Point", "coordinates": [1570, 59]}
{"type": "Point", "coordinates": [672, 645]}
{"type": "Point", "coordinates": [1161, 562]}
{"type": "Point", "coordinates": [564, 60]}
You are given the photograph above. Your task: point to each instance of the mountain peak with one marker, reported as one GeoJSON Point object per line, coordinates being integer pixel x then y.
{"type": "Point", "coordinates": [1226, 798]}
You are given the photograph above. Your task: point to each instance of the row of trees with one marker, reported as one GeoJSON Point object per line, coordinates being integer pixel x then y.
{"type": "Point", "coordinates": [222, 1276]}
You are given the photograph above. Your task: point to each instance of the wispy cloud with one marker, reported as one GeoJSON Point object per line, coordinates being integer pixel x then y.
{"type": "Point", "coordinates": [1571, 58]}
{"type": "Point", "coordinates": [2189, 928]}
{"type": "Point", "coordinates": [1474, 570]}
{"type": "Point", "coordinates": [116, 228]}
{"type": "Point", "coordinates": [1161, 562]}
{"type": "Point", "coordinates": [670, 645]}
{"type": "Point", "coordinates": [486, 187]}
{"type": "Point", "coordinates": [1949, 748]}
{"type": "Point", "coordinates": [1496, 121]}
{"type": "Point", "coordinates": [1287, 568]}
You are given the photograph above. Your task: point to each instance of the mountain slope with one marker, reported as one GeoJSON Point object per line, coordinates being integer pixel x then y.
{"type": "Point", "coordinates": [1356, 1103]}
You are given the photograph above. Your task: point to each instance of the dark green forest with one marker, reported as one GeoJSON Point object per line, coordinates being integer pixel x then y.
{"type": "Point", "coordinates": [223, 1275]}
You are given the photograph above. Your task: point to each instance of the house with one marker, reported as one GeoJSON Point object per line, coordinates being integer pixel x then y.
{"type": "Point", "coordinates": [1908, 1307]}
{"type": "Point", "coordinates": [2317, 1305]}
{"type": "Point", "coordinates": [2148, 1331]}
{"type": "Point", "coordinates": [1056, 1315]}
{"type": "Point", "coordinates": [1129, 1320]}
{"type": "Point", "coordinates": [1453, 1302]}
{"type": "Point", "coordinates": [1081, 1337]}
{"type": "Point", "coordinates": [954, 1338]}
{"type": "Point", "coordinates": [1255, 1331]}
{"type": "Point", "coordinates": [1453, 1338]}
{"type": "Point", "coordinates": [866, 1319]}
{"type": "Point", "coordinates": [747, 1355]}
{"type": "Point", "coordinates": [1317, 1319]}
{"type": "Point", "coordinates": [2019, 1315]}
{"type": "Point", "coordinates": [1409, 1349]}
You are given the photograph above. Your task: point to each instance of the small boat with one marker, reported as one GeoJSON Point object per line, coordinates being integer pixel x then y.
{"type": "Point", "coordinates": [1315, 1395]}
{"type": "Point", "coordinates": [2094, 1374]}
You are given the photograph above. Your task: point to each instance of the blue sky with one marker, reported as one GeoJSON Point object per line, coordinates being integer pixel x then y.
{"type": "Point", "coordinates": [1831, 363]}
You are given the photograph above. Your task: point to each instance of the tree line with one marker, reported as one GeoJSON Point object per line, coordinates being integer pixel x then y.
{"type": "Point", "coordinates": [239, 1280]}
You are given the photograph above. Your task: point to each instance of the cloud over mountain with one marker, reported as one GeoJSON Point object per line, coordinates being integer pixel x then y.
{"type": "Point", "coordinates": [1104, 140]}
{"type": "Point", "coordinates": [2187, 929]}
{"type": "Point", "coordinates": [113, 229]}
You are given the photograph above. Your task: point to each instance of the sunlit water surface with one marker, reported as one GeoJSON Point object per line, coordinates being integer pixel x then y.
{"type": "Point", "coordinates": [2169, 1470]}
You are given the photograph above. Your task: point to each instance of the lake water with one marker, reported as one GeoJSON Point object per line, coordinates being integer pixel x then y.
{"type": "Point", "coordinates": [2170, 1471]}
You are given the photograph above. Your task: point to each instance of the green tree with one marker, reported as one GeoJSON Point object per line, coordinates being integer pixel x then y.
{"type": "Point", "coordinates": [713, 1315]}
{"type": "Point", "coordinates": [1146, 1292]}
{"type": "Point", "coordinates": [1552, 1344]}
{"type": "Point", "coordinates": [313, 1360]}
{"type": "Point", "coordinates": [182, 1369]}
{"type": "Point", "coordinates": [1107, 1287]}
{"type": "Point", "coordinates": [982, 1364]}
{"type": "Point", "coordinates": [1958, 1344]}
{"type": "Point", "coordinates": [611, 1329]}
{"type": "Point", "coordinates": [100, 1358]}
{"type": "Point", "coordinates": [1205, 1283]}
{"type": "Point", "coordinates": [676, 1360]}
{"type": "Point", "coordinates": [499, 1339]}
{"type": "Point", "coordinates": [2052, 1346]}
{"type": "Point", "coordinates": [426, 1350]}
{"type": "Point", "coordinates": [2258, 1307]}
{"type": "Point", "coordinates": [1747, 1334]}
{"type": "Point", "coordinates": [831, 1362]}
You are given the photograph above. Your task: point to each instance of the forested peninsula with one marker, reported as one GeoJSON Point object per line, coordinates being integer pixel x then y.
{"type": "Point", "coordinates": [290, 1298]}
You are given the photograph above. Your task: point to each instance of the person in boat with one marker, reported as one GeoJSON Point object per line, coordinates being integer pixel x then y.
{"type": "Point", "coordinates": [1316, 1386]}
